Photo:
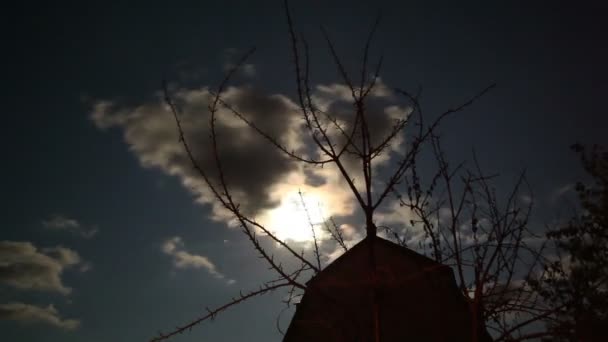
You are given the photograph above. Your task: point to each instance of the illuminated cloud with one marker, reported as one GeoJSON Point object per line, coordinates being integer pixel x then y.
{"type": "Point", "coordinates": [151, 134]}
{"type": "Point", "coordinates": [27, 313]}
{"type": "Point", "coordinates": [183, 259]}
{"type": "Point", "coordinates": [24, 266]}
{"type": "Point", "coordinates": [261, 178]}
{"type": "Point", "coordinates": [351, 237]}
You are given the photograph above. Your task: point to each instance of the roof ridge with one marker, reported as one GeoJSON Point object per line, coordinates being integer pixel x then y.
{"type": "Point", "coordinates": [407, 252]}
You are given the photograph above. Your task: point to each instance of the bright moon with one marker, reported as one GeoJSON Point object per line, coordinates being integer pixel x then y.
{"type": "Point", "coordinates": [290, 221]}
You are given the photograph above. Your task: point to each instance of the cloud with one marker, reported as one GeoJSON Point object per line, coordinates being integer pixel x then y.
{"type": "Point", "coordinates": [561, 191]}
{"type": "Point", "coordinates": [260, 177]}
{"type": "Point", "coordinates": [382, 111]}
{"type": "Point", "coordinates": [393, 214]}
{"type": "Point", "coordinates": [351, 237]}
{"type": "Point", "coordinates": [60, 222]}
{"type": "Point", "coordinates": [27, 313]}
{"type": "Point", "coordinates": [246, 69]}
{"type": "Point", "coordinates": [183, 259]}
{"type": "Point", "coordinates": [24, 266]}
{"type": "Point", "coordinates": [231, 56]}
{"type": "Point", "coordinates": [151, 134]}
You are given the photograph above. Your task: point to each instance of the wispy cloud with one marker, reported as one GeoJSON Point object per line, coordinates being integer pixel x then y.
{"type": "Point", "coordinates": [230, 56]}
{"type": "Point", "coordinates": [561, 191]}
{"type": "Point", "coordinates": [28, 313]}
{"type": "Point", "coordinates": [26, 267]}
{"type": "Point", "coordinates": [246, 69]}
{"type": "Point", "coordinates": [63, 223]}
{"type": "Point", "coordinates": [183, 259]}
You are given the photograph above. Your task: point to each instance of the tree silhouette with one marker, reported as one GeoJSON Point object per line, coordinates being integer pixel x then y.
{"type": "Point", "coordinates": [464, 224]}
{"type": "Point", "coordinates": [576, 283]}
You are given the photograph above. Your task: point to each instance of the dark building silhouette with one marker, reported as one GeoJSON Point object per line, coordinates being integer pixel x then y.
{"type": "Point", "coordinates": [417, 299]}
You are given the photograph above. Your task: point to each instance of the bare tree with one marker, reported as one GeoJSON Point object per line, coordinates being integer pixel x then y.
{"type": "Point", "coordinates": [464, 224]}
{"type": "Point", "coordinates": [486, 239]}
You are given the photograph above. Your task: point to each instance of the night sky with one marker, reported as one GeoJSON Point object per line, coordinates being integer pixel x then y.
{"type": "Point", "coordinates": [103, 217]}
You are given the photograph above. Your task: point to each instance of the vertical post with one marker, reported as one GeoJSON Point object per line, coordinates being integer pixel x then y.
{"type": "Point", "coordinates": [371, 237]}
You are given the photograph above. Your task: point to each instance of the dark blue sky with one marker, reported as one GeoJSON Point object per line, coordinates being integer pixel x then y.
{"type": "Point", "coordinates": [549, 63]}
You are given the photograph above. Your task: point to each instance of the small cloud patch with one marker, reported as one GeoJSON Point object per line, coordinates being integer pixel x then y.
{"type": "Point", "coordinates": [28, 313]}
{"type": "Point", "coordinates": [24, 266]}
{"type": "Point", "coordinates": [184, 260]}
{"type": "Point", "coordinates": [63, 223]}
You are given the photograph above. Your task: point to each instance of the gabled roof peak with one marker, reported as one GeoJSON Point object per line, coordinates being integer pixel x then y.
{"type": "Point", "coordinates": [380, 244]}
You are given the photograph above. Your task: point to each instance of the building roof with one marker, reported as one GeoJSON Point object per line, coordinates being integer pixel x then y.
{"type": "Point", "coordinates": [417, 299]}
